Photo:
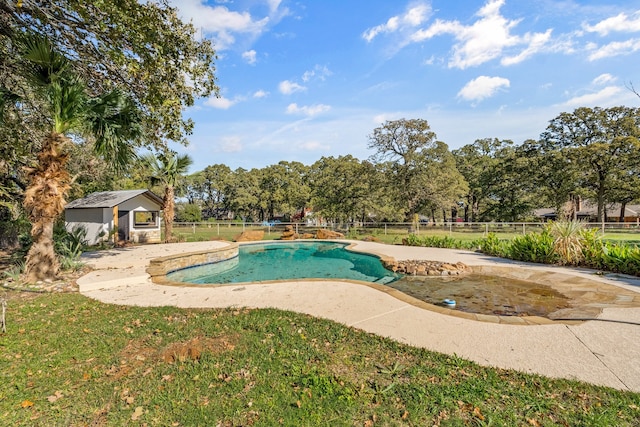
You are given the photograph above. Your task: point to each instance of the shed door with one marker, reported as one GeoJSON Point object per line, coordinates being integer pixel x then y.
{"type": "Point", "coordinates": [123, 225]}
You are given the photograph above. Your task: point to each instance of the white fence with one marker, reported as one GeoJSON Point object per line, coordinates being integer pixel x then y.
{"type": "Point", "coordinates": [222, 228]}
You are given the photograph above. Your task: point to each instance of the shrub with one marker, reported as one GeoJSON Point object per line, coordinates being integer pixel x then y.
{"type": "Point", "coordinates": [69, 246]}
{"type": "Point", "coordinates": [592, 247]}
{"type": "Point", "coordinates": [621, 258]}
{"type": "Point", "coordinates": [492, 245]}
{"type": "Point", "coordinates": [533, 247]}
{"type": "Point", "coordinates": [439, 242]}
{"type": "Point", "coordinates": [568, 241]}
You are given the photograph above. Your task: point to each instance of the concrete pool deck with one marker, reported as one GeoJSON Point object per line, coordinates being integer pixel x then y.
{"type": "Point", "coordinates": [603, 351]}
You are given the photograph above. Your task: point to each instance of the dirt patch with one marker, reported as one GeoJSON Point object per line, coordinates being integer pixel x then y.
{"type": "Point", "coordinates": [138, 354]}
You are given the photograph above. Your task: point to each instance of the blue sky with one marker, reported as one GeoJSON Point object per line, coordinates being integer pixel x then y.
{"type": "Point", "coordinates": [304, 79]}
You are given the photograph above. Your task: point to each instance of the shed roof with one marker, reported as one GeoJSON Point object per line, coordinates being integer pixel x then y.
{"type": "Point", "coordinates": [109, 199]}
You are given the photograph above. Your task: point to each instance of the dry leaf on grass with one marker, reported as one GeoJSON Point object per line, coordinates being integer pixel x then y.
{"type": "Point", "coordinates": [55, 396]}
{"type": "Point", "coordinates": [137, 413]}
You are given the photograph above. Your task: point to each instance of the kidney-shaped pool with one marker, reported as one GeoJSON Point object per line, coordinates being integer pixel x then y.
{"type": "Point", "coordinates": [289, 261]}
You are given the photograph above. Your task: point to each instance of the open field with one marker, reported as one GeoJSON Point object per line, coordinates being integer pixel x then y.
{"type": "Point", "coordinates": [393, 233]}
{"type": "Point", "coordinates": [69, 360]}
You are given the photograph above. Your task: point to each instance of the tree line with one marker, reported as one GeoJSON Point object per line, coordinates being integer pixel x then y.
{"type": "Point", "coordinates": [591, 153]}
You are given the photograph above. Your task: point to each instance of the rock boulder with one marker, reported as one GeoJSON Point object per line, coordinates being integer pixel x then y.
{"type": "Point", "coordinates": [328, 234]}
{"type": "Point", "coordinates": [250, 236]}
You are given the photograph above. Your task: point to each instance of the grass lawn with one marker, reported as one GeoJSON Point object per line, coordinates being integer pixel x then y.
{"type": "Point", "coordinates": [71, 361]}
{"type": "Point", "coordinates": [388, 235]}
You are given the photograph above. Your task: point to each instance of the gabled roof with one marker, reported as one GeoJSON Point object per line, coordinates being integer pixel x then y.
{"type": "Point", "coordinates": [109, 199]}
{"type": "Point", "coordinates": [590, 208]}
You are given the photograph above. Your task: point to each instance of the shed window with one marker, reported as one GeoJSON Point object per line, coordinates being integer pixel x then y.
{"type": "Point", "coordinates": [145, 219]}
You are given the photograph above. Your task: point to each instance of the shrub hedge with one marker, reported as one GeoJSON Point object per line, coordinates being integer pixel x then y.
{"type": "Point", "coordinates": [546, 248]}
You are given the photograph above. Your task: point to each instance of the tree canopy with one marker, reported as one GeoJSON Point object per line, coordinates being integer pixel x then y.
{"type": "Point", "coordinates": [599, 144]}
{"type": "Point", "coordinates": [140, 48]}
{"type": "Point", "coordinates": [421, 172]}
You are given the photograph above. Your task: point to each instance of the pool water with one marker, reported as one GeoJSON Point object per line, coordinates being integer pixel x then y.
{"type": "Point", "coordinates": [486, 294]}
{"type": "Point", "coordinates": [289, 261]}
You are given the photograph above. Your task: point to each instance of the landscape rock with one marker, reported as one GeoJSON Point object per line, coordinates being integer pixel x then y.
{"type": "Point", "coordinates": [323, 233]}
{"type": "Point", "coordinates": [289, 233]}
{"type": "Point", "coordinates": [250, 236]}
{"type": "Point", "coordinates": [426, 268]}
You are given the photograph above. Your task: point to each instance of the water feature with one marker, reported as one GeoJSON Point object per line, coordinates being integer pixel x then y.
{"type": "Point", "coordinates": [289, 261]}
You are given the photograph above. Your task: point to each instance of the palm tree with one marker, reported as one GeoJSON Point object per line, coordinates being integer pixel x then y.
{"type": "Point", "coordinates": [109, 120]}
{"type": "Point", "coordinates": [165, 169]}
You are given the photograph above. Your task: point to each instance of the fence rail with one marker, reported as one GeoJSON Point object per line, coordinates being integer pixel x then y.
{"type": "Point", "coordinates": [465, 230]}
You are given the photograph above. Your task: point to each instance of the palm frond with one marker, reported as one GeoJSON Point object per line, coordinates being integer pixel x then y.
{"type": "Point", "coordinates": [167, 167]}
{"type": "Point", "coordinates": [68, 101]}
{"type": "Point", "coordinates": [115, 122]}
{"type": "Point", "coordinates": [45, 65]}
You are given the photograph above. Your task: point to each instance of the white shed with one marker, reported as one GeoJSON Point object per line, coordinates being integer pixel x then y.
{"type": "Point", "coordinates": [135, 214]}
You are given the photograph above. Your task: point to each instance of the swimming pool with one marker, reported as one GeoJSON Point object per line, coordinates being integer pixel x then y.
{"type": "Point", "coordinates": [260, 262]}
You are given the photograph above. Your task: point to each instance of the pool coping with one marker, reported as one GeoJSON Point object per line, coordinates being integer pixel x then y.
{"type": "Point", "coordinates": [159, 267]}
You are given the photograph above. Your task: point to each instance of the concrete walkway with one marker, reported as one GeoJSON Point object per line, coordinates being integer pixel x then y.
{"type": "Point", "coordinates": [605, 351]}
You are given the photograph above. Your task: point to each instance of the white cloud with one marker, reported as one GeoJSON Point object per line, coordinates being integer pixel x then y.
{"type": "Point", "coordinates": [314, 146]}
{"type": "Point", "coordinates": [604, 97]}
{"type": "Point", "coordinates": [535, 43]}
{"type": "Point", "coordinates": [221, 103]}
{"type": "Point", "coordinates": [620, 23]}
{"type": "Point", "coordinates": [613, 49]}
{"type": "Point", "coordinates": [486, 39]}
{"type": "Point", "coordinates": [414, 16]}
{"type": "Point", "coordinates": [603, 79]}
{"type": "Point", "coordinates": [308, 110]}
{"type": "Point", "coordinates": [219, 21]}
{"type": "Point", "coordinates": [382, 118]}
{"type": "Point", "coordinates": [260, 94]}
{"type": "Point", "coordinates": [249, 56]}
{"type": "Point", "coordinates": [288, 87]}
{"type": "Point", "coordinates": [231, 144]}
{"type": "Point", "coordinates": [320, 72]}
{"type": "Point", "coordinates": [224, 24]}
{"type": "Point", "coordinates": [483, 87]}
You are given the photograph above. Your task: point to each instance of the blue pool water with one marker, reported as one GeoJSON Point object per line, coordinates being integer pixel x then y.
{"type": "Point", "coordinates": [286, 261]}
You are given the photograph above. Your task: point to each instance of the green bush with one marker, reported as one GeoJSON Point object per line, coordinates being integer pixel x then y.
{"type": "Point", "coordinates": [492, 245]}
{"type": "Point", "coordinates": [439, 242]}
{"type": "Point", "coordinates": [592, 248]}
{"type": "Point", "coordinates": [568, 241]}
{"type": "Point", "coordinates": [67, 245]}
{"type": "Point", "coordinates": [533, 247]}
{"type": "Point", "coordinates": [562, 242]}
{"type": "Point", "coordinates": [621, 258]}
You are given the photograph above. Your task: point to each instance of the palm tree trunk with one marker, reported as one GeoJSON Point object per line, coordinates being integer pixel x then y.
{"type": "Point", "coordinates": [169, 212]}
{"type": "Point", "coordinates": [44, 202]}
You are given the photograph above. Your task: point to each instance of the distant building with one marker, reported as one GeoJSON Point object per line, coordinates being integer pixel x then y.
{"type": "Point", "coordinates": [128, 215]}
{"type": "Point", "coordinates": [587, 210]}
